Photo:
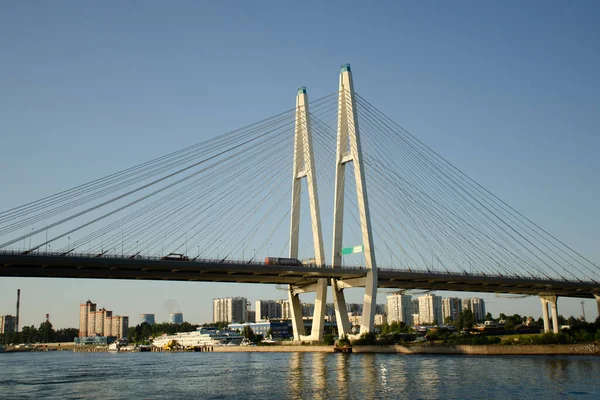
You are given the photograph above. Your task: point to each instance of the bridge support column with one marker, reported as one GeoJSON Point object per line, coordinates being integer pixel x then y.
{"type": "Point", "coordinates": [341, 311]}
{"type": "Point", "coordinates": [554, 314]}
{"type": "Point", "coordinates": [304, 167]}
{"type": "Point", "coordinates": [597, 296]}
{"type": "Point", "coordinates": [349, 149]}
{"type": "Point", "coordinates": [545, 299]}
{"type": "Point", "coordinates": [296, 314]}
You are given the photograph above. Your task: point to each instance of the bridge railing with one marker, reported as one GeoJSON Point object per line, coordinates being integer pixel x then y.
{"type": "Point", "coordinates": [261, 263]}
{"type": "Point", "coordinates": [148, 258]}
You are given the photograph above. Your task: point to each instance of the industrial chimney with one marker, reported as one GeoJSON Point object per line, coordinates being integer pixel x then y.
{"type": "Point", "coordinates": [18, 306]}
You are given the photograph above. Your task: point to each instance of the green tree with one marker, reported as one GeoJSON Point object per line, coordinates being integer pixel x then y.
{"type": "Point", "coordinates": [46, 333]}
{"type": "Point", "coordinates": [248, 333]}
{"type": "Point", "coordinates": [465, 320]}
{"type": "Point", "coordinates": [66, 334]}
{"type": "Point", "coordinates": [488, 317]}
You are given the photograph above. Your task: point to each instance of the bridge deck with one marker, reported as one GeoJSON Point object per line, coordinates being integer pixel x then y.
{"type": "Point", "coordinates": [85, 266]}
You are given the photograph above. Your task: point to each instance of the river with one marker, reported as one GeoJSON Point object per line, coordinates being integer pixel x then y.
{"type": "Point", "coordinates": [65, 374]}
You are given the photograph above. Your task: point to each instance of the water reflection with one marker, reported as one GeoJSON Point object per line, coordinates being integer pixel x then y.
{"type": "Point", "coordinates": [429, 377]}
{"type": "Point", "coordinates": [319, 375]}
{"type": "Point", "coordinates": [296, 378]}
{"type": "Point", "coordinates": [342, 370]}
{"type": "Point", "coordinates": [556, 369]}
{"type": "Point", "coordinates": [369, 370]}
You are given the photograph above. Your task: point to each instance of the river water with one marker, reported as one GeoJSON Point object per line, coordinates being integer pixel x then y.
{"type": "Point", "coordinates": [60, 375]}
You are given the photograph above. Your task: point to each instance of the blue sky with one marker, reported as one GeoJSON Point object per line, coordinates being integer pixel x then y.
{"type": "Point", "coordinates": [508, 92]}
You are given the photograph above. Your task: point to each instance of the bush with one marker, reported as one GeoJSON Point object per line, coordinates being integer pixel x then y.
{"type": "Point", "coordinates": [329, 339]}
{"type": "Point", "coordinates": [366, 339]}
{"type": "Point", "coordinates": [471, 340]}
{"type": "Point", "coordinates": [343, 341]}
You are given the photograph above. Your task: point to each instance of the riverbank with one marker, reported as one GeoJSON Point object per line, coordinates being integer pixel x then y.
{"type": "Point", "coordinates": [481, 350]}
{"type": "Point", "coordinates": [478, 350]}
{"type": "Point", "coordinates": [39, 347]}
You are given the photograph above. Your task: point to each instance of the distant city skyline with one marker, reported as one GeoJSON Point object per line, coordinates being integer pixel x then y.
{"type": "Point", "coordinates": [506, 92]}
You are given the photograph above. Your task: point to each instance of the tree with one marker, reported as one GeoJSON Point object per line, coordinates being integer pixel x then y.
{"type": "Point", "coordinates": [465, 320]}
{"type": "Point", "coordinates": [66, 334]}
{"type": "Point", "coordinates": [248, 333]}
{"type": "Point", "coordinates": [47, 334]}
{"type": "Point", "coordinates": [448, 320]}
{"type": "Point", "coordinates": [488, 317]}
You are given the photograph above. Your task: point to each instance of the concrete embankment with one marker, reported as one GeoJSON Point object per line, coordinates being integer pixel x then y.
{"type": "Point", "coordinates": [273, 349]}
{"type": "Point", "coordinates": [486, 350]}
{"type": "Point", "coordinates": [490, 350]}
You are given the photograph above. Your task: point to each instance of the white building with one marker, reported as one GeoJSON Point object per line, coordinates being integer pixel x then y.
{"type": "Point", "coordinates": [399, 308]}
{"type": "Point", "coordinates": [230, 309]}
{"type": "Point", "coordinates": [430, 309]}
{"type": "Point", "coordinates": [478, 308]}
{"type": "Point", "coordinates": [380, 319]}
{"type": "Point", "coordinates": [266, 310]}
{"type": "Point", "coordinates": [451, 308]}
{"type": "Point", "coordinates": [285, 308]}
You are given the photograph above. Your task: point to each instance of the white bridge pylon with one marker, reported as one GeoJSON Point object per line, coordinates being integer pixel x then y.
{"type": "Point", "coordinates": [348, 150]}
{"type": "Point", "coordinates": [304, 167]}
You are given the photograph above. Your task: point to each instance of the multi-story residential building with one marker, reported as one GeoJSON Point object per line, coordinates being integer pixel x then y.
{"type": "Point", "coordinates": [91, 324]}
{"type": "Point", "coordinates": [7, 323]}
{"type": "Point", "coordinates": [475, 305]}
{"type": "Point", "coordinates": [84, 311]}
{"type": "Point", "coordinates": [399, 308]}
{"type": "Point", "coordinates": [101, 322]}
{"type": "Point", "coordinates": [466, 304]}
{"type": "Point", "coordinates": [230, 309]}
{"type": "Point", "coordinates": [381, 319]}
{"type": "Point", "coordinates": [430, 309]}
{"type": "Point", "coordinates": [451, 308]}
{"type": "Point", "coordinates": [250, 315]}
{"type": "Point", "coordinates": [415, 306]}
{"type": "Point", "coordinates": [330, 312]}
{"type": "Point", "coordinates": [267, 309]}
{"type": "Point", "coordinates": [354, 308]}
{"type": "Point", "coordinates": [416, 319]}
{"type": "Point", "coordinates": [308, 310]}
{"type": "Point", "coordinates": [285, 308]}
{"type": "Point", "coordinates": [478, 308]}
{"type": "Point", "coordinates": [119, 325]}
{"type": "Point", "coordinates": [100, 317]}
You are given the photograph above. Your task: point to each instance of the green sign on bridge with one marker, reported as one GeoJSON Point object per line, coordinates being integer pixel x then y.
{"type": "Point", "coordinates": [354, 249]}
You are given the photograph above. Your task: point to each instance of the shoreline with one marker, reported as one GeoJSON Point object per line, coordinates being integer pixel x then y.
{"type": "Point", "coordinates": [591, 349]}
{"type": "Point", "coordinates": [480, 350]}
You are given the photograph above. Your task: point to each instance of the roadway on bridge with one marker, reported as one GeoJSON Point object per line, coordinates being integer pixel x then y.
{"type": "Point", "coordinates": [112, 267]}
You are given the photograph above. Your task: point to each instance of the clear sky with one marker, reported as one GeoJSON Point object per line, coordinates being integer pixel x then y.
{"type": "Point", "coordinates": [506, 91]}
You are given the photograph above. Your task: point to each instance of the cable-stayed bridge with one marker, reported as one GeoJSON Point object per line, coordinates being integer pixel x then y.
{"type": "Point", "coordinates": [215, 210]}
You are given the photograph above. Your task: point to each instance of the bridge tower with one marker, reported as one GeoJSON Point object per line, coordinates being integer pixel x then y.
{"type": "Point", "coordinates": [349, 150]}
{"type": "Point", "coordinates": [304, 167]}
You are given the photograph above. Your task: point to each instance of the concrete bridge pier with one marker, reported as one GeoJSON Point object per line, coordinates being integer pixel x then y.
{"type": "Point", "coordinates": [597, 296]}
{"type": "Point", "coordinates": [545, 299]}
